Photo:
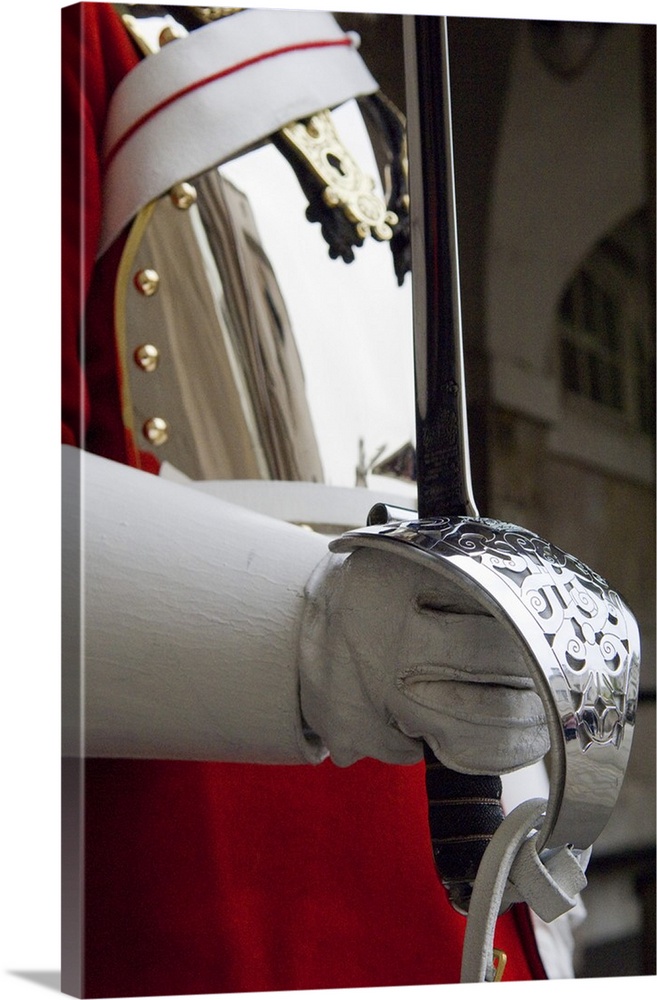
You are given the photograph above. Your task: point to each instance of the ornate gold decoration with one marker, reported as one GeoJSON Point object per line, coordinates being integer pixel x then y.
{"type": "Point", "coordinates": [499, 961]}
{"type": "Point", "coordinates": [147, 357]}
{"type": "Point", "coordinates": [170, 33]}
{"type": "Point", "coordinates": [345, 185]}
{"type": "Point", "coordinates": [146, 281]}
{"type": "Point", "coordinates": [208, 14]}
{"type": "Point", "coordinates": [156, 430]}
{"type": "Point", "coordinates": [177, 26]}
{"type": "Point", "coordinates": [183, 195]}
{"type": "Point", "coordinates": [141, 31]}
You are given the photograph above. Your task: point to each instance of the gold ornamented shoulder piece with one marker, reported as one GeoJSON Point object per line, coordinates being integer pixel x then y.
{"type": "Point", "coordinates": [176, 22]}
{"type": "Point", "coordinates": [208, 14]}
{"type": "Point", "coordinates": [341, 182]}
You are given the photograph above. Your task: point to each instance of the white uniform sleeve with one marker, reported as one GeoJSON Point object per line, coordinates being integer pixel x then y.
{"type": "Point", "coordinates": [181, 621]}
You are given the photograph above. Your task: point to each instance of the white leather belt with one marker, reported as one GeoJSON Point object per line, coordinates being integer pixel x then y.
{"type": "Point", "coordinates": [206, 97]}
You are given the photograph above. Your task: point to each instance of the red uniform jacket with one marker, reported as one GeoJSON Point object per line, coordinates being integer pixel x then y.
{"type": "Point", "coordinates": [207, 877]}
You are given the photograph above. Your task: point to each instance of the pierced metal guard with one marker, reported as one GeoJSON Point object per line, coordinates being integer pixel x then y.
{"type": "Point", "coordinates": [579, 639]}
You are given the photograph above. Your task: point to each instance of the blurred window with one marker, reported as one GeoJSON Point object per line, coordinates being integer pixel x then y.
{"type": "Point", "coordinates": [606, 323]}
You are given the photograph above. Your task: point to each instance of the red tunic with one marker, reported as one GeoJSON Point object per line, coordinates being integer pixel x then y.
{"type": "Point", "coordinates": [206, 877]}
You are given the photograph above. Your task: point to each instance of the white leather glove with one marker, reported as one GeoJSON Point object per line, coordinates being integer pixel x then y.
{"type": "Point", "coordinates": [391, 653]}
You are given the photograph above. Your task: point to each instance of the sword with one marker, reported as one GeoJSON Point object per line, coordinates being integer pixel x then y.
{"type": "Point", "coordinates": [579, 639]}
{"type": "Point", "coordinates": [464, 810]}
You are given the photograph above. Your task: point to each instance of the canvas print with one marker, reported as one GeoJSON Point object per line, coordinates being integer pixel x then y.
{"type": "Point", "coordinates": [358, 416]}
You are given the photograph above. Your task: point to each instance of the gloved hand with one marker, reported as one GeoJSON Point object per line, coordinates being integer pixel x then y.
{"type": "Point", "coordinates": [204, 622]}
{"type": "Point", "coordinates": [391, 653]}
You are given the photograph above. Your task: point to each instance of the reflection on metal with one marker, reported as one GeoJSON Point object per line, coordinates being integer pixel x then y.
{"type": "Point", "coordinates": [384, 513]}
{"type": "Point", "coordinates": [402, 464]}
{"type": "Point", "coordinates": [138, 22]}
{"type": "Point", "coordinates": [364, 467]}
{"type": "Point", "coordinates": [341, 197]}
{"type": "Point", "coordinates": [386, 126]}
{"type": "Point", "coordinates": [183, 195]}
{"type": "Point", "coordinates": [147, 281]}
{"type": "Point", "coordinates": [332, 179]}
{"type": "Point", "coordinates": [499, 959]}
{"type": "Point", "coordinates": [169, 34]}
{"type": "Point", "coordinates": [175, 22]}
{"type": "Point", "coordinates": [208, 14]}
{"type": "Point", "coordinates": [147, 357]}
{"type": "Point", "coordinates": [231, 291]}
{"type": "Point", "coordinates": [443, 453]}
{"type": "Point", "coordinates": [156, 431]}
{"type": "Point", "coordinates": [213, 349]}
{"type": "Point", "coordinates": [579, 639]}
{"type": "Point", "coordinates": [566, 47]}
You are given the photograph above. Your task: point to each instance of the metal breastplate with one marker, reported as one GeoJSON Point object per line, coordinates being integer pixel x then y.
{"type": "Point", "coordinates": [211, 377]}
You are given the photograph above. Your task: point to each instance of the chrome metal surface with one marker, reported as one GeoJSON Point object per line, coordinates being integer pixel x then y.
{"type": "Point", "coordinates": [579, 639]}
{"type": "Point", "coordinates": [443, 455]}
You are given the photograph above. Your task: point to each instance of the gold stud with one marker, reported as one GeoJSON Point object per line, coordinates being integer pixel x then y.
{"type": "Point", "coordinates": [147, 357]}
{"type": "Point", "coordinates": [183, 195]}
{"type": "Point", "coordinates": [147, 281]}
{"type": "Point", "coordinates": [156, 430]}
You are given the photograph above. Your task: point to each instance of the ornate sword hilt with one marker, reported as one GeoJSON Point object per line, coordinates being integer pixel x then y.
{"type": "Point", "coordinates": [579, 640]}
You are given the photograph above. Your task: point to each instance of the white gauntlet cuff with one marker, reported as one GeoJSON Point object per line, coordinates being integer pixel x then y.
{"type": "Point", "coordinates": [181, 621]}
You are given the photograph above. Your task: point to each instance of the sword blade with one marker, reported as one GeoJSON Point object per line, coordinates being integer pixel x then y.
{"type": "Point", "coordinates": [444, 478]}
